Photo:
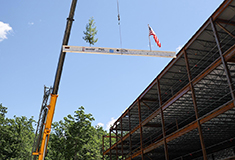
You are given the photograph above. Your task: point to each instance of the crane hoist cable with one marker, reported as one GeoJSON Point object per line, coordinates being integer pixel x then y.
{"type": "Point", "coordinates": [119, 23]}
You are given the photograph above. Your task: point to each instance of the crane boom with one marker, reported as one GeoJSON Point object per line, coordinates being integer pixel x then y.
{"type": "Point", "coordinates": [118, 51]}
{"type": "Point", "coordinates": [48, 111]}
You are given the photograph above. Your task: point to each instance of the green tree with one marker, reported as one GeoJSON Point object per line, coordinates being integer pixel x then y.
{"type": "Point", "coordinates": [69, 136]}
{"type": "Point", "coordinates": [16, 136]}
{"type": "Point", "coordinates": [3, 111]}
{"type": "Point", "coordinates": [74, 138]}
{"type": "Point", "coordinates": [90, 32]}
{"type": "Point", "coordinates": [57, 142]}
{"type": "Point", "coordinates": [94, 147]}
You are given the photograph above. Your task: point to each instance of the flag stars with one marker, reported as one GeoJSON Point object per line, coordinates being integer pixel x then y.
{"type": "Point", "coordinates": [152, 33]}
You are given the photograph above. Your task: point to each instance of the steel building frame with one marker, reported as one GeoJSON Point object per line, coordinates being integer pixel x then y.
{"type": "Point", "coordinates": [187, 112]}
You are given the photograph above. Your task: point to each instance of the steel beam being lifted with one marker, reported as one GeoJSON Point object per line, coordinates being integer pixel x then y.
{"type": "Point", "coordinates": [118, 51]}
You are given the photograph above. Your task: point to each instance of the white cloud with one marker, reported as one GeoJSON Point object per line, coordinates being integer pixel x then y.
{"type": "Point", "coordinates": [179, 48]}
{"type": "Point", "coordinates": [4, 30]}
{"type": "Point", "coordinates": [100, 124]}
{"type": "Point", "coordinates": [31, 23]}
{"type": "Point", "coordinates": [110, 123]}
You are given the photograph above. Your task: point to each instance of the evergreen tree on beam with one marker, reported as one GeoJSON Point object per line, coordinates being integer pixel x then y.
{"type": "Point", "coordinates": [90, 32]}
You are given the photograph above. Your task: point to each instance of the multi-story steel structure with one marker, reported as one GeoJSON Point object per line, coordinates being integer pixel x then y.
{"type": "Point", "coordinates": [187, 112]}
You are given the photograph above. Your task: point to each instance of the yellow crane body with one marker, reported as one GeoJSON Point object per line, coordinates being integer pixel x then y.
{"type": "Point", "coordinates": [47, 127]}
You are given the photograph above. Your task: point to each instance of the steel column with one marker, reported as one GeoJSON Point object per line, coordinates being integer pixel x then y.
{"type": "Point", "coordinates": [223, 59]}
{"type": "Point", "coordinates": [116, 144]}
{"type": "Point", "coordinates": [110, 144]}
{"type": "Point", "coordinates": [176, 122]}
{"type": "Point", "coordinates": [129, 118]}
{"type": "Point", "coordinates": [121, 139]}
{"type": "Point", "coordinates": [195, 107]}
{"type": "Point", "coordinates": [163, 121]}
{"type": "Point", "coordinates": [141, 133]}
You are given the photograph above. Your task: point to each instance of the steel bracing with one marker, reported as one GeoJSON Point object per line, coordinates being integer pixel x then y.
{"type": "Point", "coordinates": [187, 112]}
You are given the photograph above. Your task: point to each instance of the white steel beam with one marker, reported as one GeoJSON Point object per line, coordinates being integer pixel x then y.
{"type": "Point", "coordinates": [118, 51]}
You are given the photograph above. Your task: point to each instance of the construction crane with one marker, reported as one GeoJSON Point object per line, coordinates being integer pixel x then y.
{"type": "Point", "coordinates": [43, 130]}
{"type": "Point", "coordinates": [47, 111]}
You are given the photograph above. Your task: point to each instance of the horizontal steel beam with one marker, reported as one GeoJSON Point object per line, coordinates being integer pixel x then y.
{"type": "Point", "coordinates": [223, 21]}
{"type": "Point", "coordinates": [118, 51]}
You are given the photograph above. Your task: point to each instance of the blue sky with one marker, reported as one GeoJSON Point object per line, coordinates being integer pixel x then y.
{"type": "Point", "coordinates": [31, 35]}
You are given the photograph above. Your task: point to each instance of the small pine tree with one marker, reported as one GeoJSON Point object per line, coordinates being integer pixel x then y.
{"type": "Point", "coordinates": [90, 32]}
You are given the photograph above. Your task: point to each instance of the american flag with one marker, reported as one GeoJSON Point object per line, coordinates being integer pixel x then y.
{"type": "Point", "coordinates": [151, 32]}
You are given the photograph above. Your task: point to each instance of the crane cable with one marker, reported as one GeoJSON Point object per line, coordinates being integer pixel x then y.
{"type": "Point", "coordinates": [119, 23]}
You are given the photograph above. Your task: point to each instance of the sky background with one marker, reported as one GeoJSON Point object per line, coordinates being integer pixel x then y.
{"type": "Point", "coordinates": [31, 34]}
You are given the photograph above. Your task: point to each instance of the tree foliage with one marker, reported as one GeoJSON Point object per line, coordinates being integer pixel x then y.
{"type": "Point", "coordinates": [73, 138]}
{"type": "Point", "coordinates": [16, 136]}
{"type": "Point", "coordinates": [90, 32]}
